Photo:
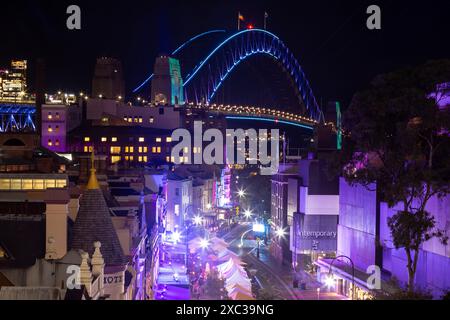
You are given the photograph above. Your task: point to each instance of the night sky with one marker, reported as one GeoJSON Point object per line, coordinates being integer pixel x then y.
{"type": "Point", "coordinates": [329, 38]}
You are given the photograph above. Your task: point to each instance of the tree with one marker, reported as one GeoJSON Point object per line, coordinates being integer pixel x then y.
{"type": "Point", "coordinates": [397, 135]}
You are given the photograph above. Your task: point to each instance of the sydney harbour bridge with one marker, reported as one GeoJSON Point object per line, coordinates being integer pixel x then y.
{"type": "Point", "coordinates": [204, 80]}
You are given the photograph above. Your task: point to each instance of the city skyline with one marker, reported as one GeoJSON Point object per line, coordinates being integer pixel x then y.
{"type": "Point", "coordinates": [328, 37]}
{"type": "Point", "coordinates": [225, 151]}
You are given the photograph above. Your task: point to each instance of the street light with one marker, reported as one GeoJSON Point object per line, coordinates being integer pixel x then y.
{"type": "Point", "coordinates": [280, 233]}
{"type": "Point", "coordinates": [330, 273]}
{"type": "Point", "coordinates": [204, 243]}
{"type": "Point", "coordinates": [197, 220]}
{"type": "Point", "coordinates": [247, 213]}
{"type": "Point", "coordinates": [329, 281]}
{"type": "Point", "coordinates": [176, 236]}
{"type": "Point", "coordinates": [241, 193]}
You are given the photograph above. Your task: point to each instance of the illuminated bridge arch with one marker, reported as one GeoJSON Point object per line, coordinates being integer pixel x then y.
{"type": "Point", "coordinates": [207, 77]}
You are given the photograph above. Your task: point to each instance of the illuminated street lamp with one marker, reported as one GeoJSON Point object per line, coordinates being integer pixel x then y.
{"type": "Point", "coordinates": [280, 232]}
{"type": "Point", "coordinates": [197, 220]}
{"type": "Point", "coordinates": [176, 236]}
{"type": "Point", "coordinates": [247, 213]}
{"type": "Point", "coordinates": [329, 281]}
{"type": "Point", "coordinates": [241, 193]}
{"type": "Point", "coordinates": [204, 243]}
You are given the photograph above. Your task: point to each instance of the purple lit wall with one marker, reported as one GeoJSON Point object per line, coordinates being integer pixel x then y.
{"type": "Point", "coordinates": [434, 258]}
{"type": "Point", "coordinates": [357, 224]}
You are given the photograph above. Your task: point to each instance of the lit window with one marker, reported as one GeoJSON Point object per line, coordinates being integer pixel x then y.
{"type": "Point", "coordinates": [130, 119]}
{"type": "Point", "coordinates": [115, 159]}
{"type": "Point", "coordinates": [115, 149]}
{"type": "Point", "coordinates": [126, 150]}
{"type": "Point", "coordinates": [27, 184]}
{"type": "Point", "coordinates": [57, 129]}
{"type": "Point", "coordinates": [185, 159]}
{"type": "Point", "coordinates": [5, 184]}
{"type": "Point", "coordinates": [145, 158]}
{"type": "Point", "coordinates": [167, 159]}
{"type": "Point", "coordinates": [158, 150]}
{"type": "Point", "coordinates": [16, 184]}
{"type": "Point", "coordinates": [172, 159]}
{"type": "Point", "coordinates": [57, 142]}
{"type": "Point", "coordinates": [140, 158]}
{"type": "Point", "coordinates": [87, 139]}
{"type": "Point", "coordinates": [49, 116]}
{"type": "Point", "coordinates": [86, 149]}
{"type": "Point", "coordinates": [104, 139]}
{"type": "Point", "coordinates": [131, 158]}
{"type": "Point", "coordinates": [140, 119]}
{"type": "Point", "coordinates": [114, 139]}
{"type": "Point", "coordinates": [57, 115]}
{"type": "Point", "coordinates": [50, 183]}
{"type": "Point", "coordinates": [140, 149]}
{"type": "Point", "coordinates": [186, 150]}
{"type": "Point", "coordinates": [145, 149]}
{"type": "Point", "coordinates": [158, 139]}
{"type": "Point", "coordinates": [141, 139]}
{"type": "Point", "coordinates": [61, 183]}
{"type": "Point", "coordinates": [131, 149]}
{"type": "Point", "coordinates": [49, 129]}
{"type": "Point", "coordinates": [154, 149]}
{"type": "Point", "coordinates": [169, 139]}
{"type": "Point", "coordinates": [151, 120]}
{"type": "Point", "coordinates": [125, 118]}
{"type": "Point", "coordinates": [49, 143]}
{"type": "Point", "coordinates": [38, 184]}
{"type": "Point", "coordinates": [135, 119]}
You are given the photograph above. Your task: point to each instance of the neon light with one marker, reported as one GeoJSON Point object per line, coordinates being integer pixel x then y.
{"type": "Point", "coordinates": [221, 45]}
{"type": "Point", "coordinates": [176, 51]}
{"type": "Point", "coordinates": [194, 38]}
{"type": "Point", "coordinates": [269, 120]}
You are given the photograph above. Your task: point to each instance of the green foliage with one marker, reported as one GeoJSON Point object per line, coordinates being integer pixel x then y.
{"type": "Point", "coordinates": [410, 230]}
{"type": "Point", "coordinates": [395, 134]}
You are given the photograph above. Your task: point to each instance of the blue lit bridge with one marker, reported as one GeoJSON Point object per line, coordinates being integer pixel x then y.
{"type": "Point", "coordinates": [203, 82]}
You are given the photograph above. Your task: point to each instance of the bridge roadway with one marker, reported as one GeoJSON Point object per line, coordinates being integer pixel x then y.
{"type": "Point", "coordinates": [255, 113]}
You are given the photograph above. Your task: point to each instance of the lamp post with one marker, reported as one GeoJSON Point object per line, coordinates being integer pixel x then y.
{"type": "Point", "coordinates": [353, 272]}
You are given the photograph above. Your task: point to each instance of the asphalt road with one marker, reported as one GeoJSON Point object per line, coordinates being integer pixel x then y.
{"type": "Point", "coordinates": [271, 279]}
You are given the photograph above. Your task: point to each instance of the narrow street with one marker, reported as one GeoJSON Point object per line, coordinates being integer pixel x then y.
{"type": "Point", "coordinates": [274, 278]}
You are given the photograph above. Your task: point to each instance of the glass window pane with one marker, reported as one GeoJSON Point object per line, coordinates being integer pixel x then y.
{"type": "Point", "coordinates": [5, 184]}
{"type": "Point", "coordinates": [16, 184]}
{"type": "Point", "coordinates": [27, 184]}
{"type": "Point", "coordinates": [38, 184]}
{"type": "Point", "coordinates": [49, 183]}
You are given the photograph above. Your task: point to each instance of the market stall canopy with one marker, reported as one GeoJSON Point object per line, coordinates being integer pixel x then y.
{"type": "Point", "coordinates": [241, 296]}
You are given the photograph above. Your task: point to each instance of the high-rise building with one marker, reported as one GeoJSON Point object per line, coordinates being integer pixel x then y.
{"type": "Point", "coordinates": [108, 79]}
{"type": "Point", "coordinates": [13, 82]}
{"type": "Point", "coordinates": [167, 83]}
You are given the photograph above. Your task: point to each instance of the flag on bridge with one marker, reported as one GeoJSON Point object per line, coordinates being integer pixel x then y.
{"type": "Point", "coordinates": [266, 15]}
{"type": "Point", "coordinates": [240, 18]}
